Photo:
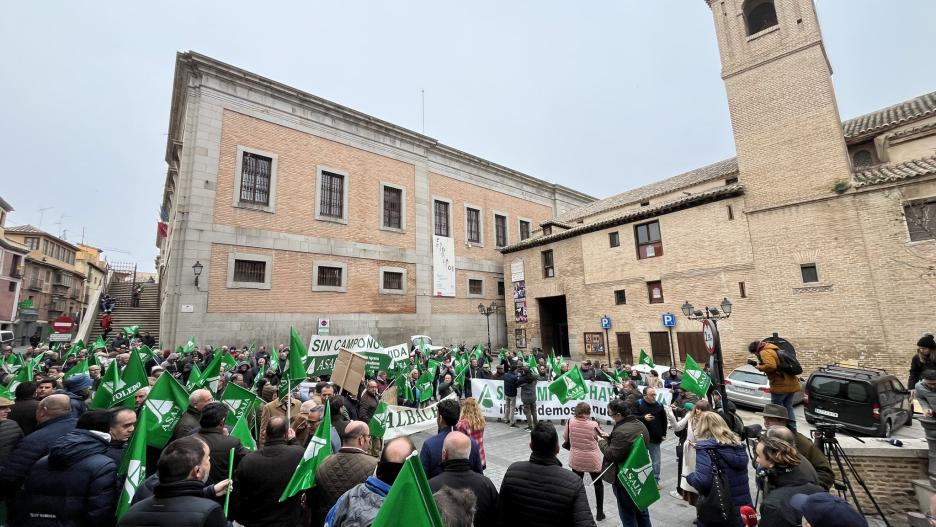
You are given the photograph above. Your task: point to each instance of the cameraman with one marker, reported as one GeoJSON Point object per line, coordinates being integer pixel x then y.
{"type": "Point", "coordinates": [782, 385]}
{"type": "Point", "coordinates": [775, 418]}
{"type": "Point", "coordinates": [926, 392]}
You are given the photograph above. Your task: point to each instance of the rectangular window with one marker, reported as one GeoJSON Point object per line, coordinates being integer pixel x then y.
{"type": "Point", "coordinates": [620, 297]}
{"type": "Point", "coordinates": [500, 230]}
{"type": "Point", "coordinates": [809, 272]}
{"type": "Point", "coordinates": [12, 286]}
{"type": "Point", "coordinates": [742, 290]}
{"type": "Point", "coordinates": [392, 207]}
{"type": "Point", "coordinates": [524, 230]}
{"type": "Point", "coordinates": [730, 213]}
{"type": "Point", "coordinates": [921, 220]}
{"type": "Point", "coordinates": [255, 179]}
{"type": "Point", "coordinates": [548, 270]}
{"type": "Point", "coordinates": [329, 276]}
{"type": "Point", "coordinates": [32, 243]}
{"type": "Point", "coordinates": [649, 241]}
{"type": "Point", "coordinates": [391, 280]}
{"type": "Point", "coordinates": [331, 201]}
{"type": "Point", "coordinates": [500, 288]}
{"type": "Point", "coordinates": [655, 292]}
{"type": "Point", "coordinates": [475, 287]}
{"type": "Point", "coordinates": [45, 248]}
{"type": "Point", "coordinates": [614, 239]}
{"type": "Point", "coordinates": [249, 271]}
{"type": "Point", "coordinates": [473, 225]}
{"type": "Point", "coordinates": [520, 337]}
{"type": "Point", "coordinates": [441, 213]}
{"type": "Point", "coordinates": [547, 230]}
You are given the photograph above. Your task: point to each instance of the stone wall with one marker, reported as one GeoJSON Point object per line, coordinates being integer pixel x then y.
{"type": "Point", "coordinates": [888, 472]}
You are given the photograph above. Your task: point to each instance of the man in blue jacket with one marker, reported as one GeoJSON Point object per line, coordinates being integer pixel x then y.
{"type": "Point", "coordinates": [431, 453]}
{"type": "Point", "coordinates": [510, 393]}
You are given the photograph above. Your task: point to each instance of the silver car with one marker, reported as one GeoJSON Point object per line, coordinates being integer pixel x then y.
{"type": "Point", "coordinates": [748, 386]}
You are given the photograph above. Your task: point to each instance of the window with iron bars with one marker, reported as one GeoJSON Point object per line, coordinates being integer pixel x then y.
{"type": "Point", "coordinates": [473, 225]}
{"type": "Point", "coordinates": [441, 209]}
{"type": "Point", "coordinates": [331, 202]}
{"type": "Point", "coordinates": [392, 280]}
{"type": "Point", "coordinates": [255, 179]}
{"type": "Point", "coordinates": [392, 207]}
{"type": "Point", "coordinates": [329, 276]}
{"type": "Point", "coordinates": [249, 271]}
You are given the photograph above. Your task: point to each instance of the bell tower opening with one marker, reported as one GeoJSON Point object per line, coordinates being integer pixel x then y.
{"type": "Point", "coordinates": [759, 15]}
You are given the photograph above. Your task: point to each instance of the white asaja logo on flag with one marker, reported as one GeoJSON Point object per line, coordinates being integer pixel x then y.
{"type": "Point", "coordinates": [570, 384]}
{"type": "Point", "coordinates": [213, 384]}
{"type": "Point", "coordinates": [135, 476]}
{"type": "Point", "coordinates": [643, 473]}
{"type": "Point", "coordinates": [315, 446]}
{"type": "Point", "coordinates": [695, 374]}
{"type": "Point", "coordinates": [233, 404]}
{"type": "Point", "coordinates": [159, 408]}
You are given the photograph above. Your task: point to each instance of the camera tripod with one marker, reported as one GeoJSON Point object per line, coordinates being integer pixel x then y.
{"type": "Point", "coordinates": [824, 437]}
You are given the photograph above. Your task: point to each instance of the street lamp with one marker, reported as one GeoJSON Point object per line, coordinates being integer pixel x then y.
{"type": "Point", "coordinates": [713, 315]}
{"type": "Point", "coordinates": [197, 269]}
{"type": "Point", "coordinates": [487, 311]}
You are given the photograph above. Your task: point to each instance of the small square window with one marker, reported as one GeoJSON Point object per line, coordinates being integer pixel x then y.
{"type": "Point", "coordinates": [391, 280]}
{"type": "Point", "coordinates": [742, 290]}
{"type": "Point", "coordinates": [547, 230]}
{"type": "Point", "coordinates": [620, 297]}
{"type": "Point", "coordinates": [548, 270]}
{"type": "Point", "coordinates": [500, 288]}
{"type": "Point", "coordinates": [475, 287]}
{"type": "Point", "coordinates": [614, 239]}
{"type": "Point", "coordinates": [249, 271]}
{"type": "Point", "coordinates": [329, 276]}
{"type": "Point", "coordinates": [655, 292]}
{"type": "Point", "coordinates": [809, 272]}
{"type": "Point", "coordinates": [921, 219]}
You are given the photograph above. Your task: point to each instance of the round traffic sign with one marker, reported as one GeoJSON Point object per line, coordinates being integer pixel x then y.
{"type": "Point", "coordinates": [709, 334]}
{"type": "Point", "coordinates": [63, 324]}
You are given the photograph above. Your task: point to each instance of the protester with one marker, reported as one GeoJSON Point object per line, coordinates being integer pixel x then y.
{"type": "Point", "coordinates": [431, 453]}
{"type": "Point", "coordinates": [212, 433]}
{"type": "Point", "coordinates": [24, 407]}
{"type": "Point", "coordinates": [342, 470]}
{"type": "Point", "coordinates": [540, 488]}
{"type": "Point", "coordinates": [775, 419]}
{"type": "Point", "coordinates": [447, 386]}
{"type": "Point", "coordinates": [359, 505]}
{"type": "Point", "coordinates": [653, 380]}
{"type": "Point", "coordinates": [123, 422]}
{"type": "Point", "coordinates": [923, 359]}
{"type": "Point", "coordinates": [784, 478]}
{"type": "Point", "coordinates": [511, 380]}
{"type": "Point", "coordinates": [472, 423]}
{"type": "Point", "coordinates": [671, 378]}
{"type": "Point", "coordinates": [76, 484]}
{"type": "Point", "coordinates": [77, 388]}
{"type": "Point", "coordinates": [262, 477]}
{"type": "Point", "coordinates": [457, 507]}
{"type": "Point", "coordinates": [825, 510]}
{"type": "Point", "coordinates": [178, 498]}
{"type": "Point", "coordinates": [527, 385]}
{"type": "Point", "coordinates": [653, 415]}
{"type": "Point", "coordinates": [616, 447]}
{"type": "Point", "coordinates": [10, 431]}
{"type": "Point", "coordinates": [687, 459]}
{"type": "Point", "coordinates": [718, 446]}
{"type": "Point", "coordinates": [457, 474]}
{"type": "Point", "coordinates": [188, 423]}
{"type": "Point", "coordinates": [140, 397]}
{"type": "Point", "coordinates": [783, 386]}
{"type": "Point", "coordinates": [368, 401]}
{"type": "Point", "coordinates": [53, 422]}
{"type": "Point", "coordinates": [581, 434]}
{"type": "Point", "coordinates": [45, 388]}
{"type": "Point", "coordinates": [587, 372]}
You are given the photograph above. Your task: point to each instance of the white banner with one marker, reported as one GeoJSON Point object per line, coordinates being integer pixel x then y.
{"type": "Point", "coordinates": [404, 421]}
{"type": "Point", "coordinates": [516, 270]}
{"type": "Point", "coordinates": [324, 350]}
{"type": "Point", "coordinates": [443, 266]}
{"type": "Point", "coordinates": [490, 395]}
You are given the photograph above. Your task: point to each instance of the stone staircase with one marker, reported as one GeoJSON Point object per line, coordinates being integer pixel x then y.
{"type": "Point", "coordinates": [146, 315]}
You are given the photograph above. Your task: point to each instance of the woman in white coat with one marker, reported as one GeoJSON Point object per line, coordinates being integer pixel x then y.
{"type": "Point", "coordinates": [689, 423]}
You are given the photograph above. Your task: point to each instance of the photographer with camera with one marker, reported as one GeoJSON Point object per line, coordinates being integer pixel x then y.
{"type": "Point", "coordinates": [926, 392]}
{"type": "Point", "coordinates": [782, 469]}
{"type": "Point", "coordinates": [775, 417]}
{"type": "Point", "coordinates": [782, 370]}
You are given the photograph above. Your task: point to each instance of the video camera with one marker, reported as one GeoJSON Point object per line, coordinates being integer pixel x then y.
{"type": "Point", "coordinates": [825, 430]}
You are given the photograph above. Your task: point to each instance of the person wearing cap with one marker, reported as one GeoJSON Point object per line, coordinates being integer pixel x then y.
{"type": "Point", "coordinates": [776, 415]}
{"type": "Point", "coordinates": [10, 431]}
{"type": "Point", "coordinates": [78, 388]}
{"type": "Point", "coordinates": [825, 510]}
{"type": "Point", "coordinates": [923, 359]}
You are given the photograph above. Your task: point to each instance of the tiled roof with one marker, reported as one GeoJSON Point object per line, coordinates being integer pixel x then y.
{"type": "Point", "coordinates": [876, 122]}
{"type": "Point", "coordinates": [685, 202]}
{"type": "Point", "coordinates": [722, 169]}
{"type": "Point", "coordinates": [895, 172]}
{"type": "Point", "coordinates": [27, 229]}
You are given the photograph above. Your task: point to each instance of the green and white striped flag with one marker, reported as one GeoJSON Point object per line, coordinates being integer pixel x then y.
{"type": "Point", "coordinates": [569, 386]}
{"type": "Point", "coordinates": [378, 422]}
{"type": "Point", "coordinates": [133, 465]}
{"type": "Point", "coordinates": [636, 476]}
{"type": "Point", "coordinates": [646, 360]}
{"type": "Point", "coordinates": [79, 368]}
{"type": "Point", "coordinates": [240, 401]}
{"type": "Point", "coordinates": [319, 448]}
{"type": "Point", "coordinates": [242, 432]}
{"type": "Point", "coordinates": [164, 406]}
{"type": "Point", "coordinates": [695, 380]}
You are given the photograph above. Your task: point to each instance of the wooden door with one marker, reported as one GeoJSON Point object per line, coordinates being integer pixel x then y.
{"type": "Point", "coordinates": [692, 343]}
{"type": "Point", "coordinates": [625, 351]}
{"type": "Point", "coordinates": [660, 347]}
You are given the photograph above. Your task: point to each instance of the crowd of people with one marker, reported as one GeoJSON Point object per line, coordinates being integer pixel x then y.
{"type": "Point", "coordinates": [60, 460]}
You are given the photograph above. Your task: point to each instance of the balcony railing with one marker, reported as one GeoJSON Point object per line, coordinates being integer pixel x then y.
{"type": "Point", "coordinates": [36, 285]}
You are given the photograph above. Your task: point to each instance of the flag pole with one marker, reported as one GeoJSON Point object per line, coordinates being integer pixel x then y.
{"type": "Point", "coordinates": [288, 403]}
{"type": "Point", "coordinates": [227, 495]}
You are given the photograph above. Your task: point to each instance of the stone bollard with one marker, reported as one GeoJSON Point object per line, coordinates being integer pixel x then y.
{"type": "Point", "coordinates": [929, 427]}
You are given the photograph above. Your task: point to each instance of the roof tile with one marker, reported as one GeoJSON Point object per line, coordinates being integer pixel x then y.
{"type": "Point", "coordinates": [895, 172]}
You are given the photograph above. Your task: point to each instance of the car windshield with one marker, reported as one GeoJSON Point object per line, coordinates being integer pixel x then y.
{"type": "Point", "coordinates": [748, 376]}
{"type": "Point", "coordinates": [840, 389]}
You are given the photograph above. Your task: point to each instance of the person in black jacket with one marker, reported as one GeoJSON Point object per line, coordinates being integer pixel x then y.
{"type": "Point", "coordinates": [616, 448]}
{"type": "Point", "coordinates": [924, 359]}
{"type": "Point", "coordinates": [76, 484]}
{"type": "Point", "coordinates": [178, 498]}
{"type": "Point", "coordinates": [781, 463]}
{"type": "Point", "coordinates": [457, 474]}
{"type": "Point", "coordinates": [653, 415]}
{"type": "Point", "coordinates": [219, 444]}
{"type": "Point", "coordinates": [24, 409]}
{"type": "Point", "coordinates": [510, 394]}
{"type": "Point", "coordinates": [261, 478]}
{"type": "Point", "coordinates": [527, 385]}
{"type": "Point", "coordinates": [10, 432]}
{"type": "Point", "coordinates": [539, 492]}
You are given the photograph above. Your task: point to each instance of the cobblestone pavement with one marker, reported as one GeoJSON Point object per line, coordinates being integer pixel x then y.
{"type": "Point", "coordinates": [505, 445]}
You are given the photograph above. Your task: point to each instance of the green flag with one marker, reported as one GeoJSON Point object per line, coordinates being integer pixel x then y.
{"type": "Point", "coordinates": [646, 360]}
{"type": "Point", "coordinates": [424, 385]}
{"type": "Point", "coordinates": [410, 500]}
{"type": "Point", "coordinates": [194, 378]}
{"type": "Point", "coordinates": [378, 422]}
{"type": "Point", "coordinates": [79, 368]}
{"type": "Point", "coordinates": [260, 374]}
{"type": "Point", "coordinates": [73, 350]}
{"type": "Point", "coordinates": [93, 360]}
{"type": "Point", "coordinates": [23, 374]}
{"type": "Point", "coordinates": [478, 352]}
{"type": "Point", "coordinates": [104, 396]}
{"type": "Point", "coordinates": [460, 376]}
{"type": "Point", "coordinates": [242, 432]}
{"type": "Point", "coordinates": [240, 401]}
{"type": "Point", "coordinates": [211, 375]}
{"type": "Point", "coordinates": [319, 448]}
{"type": "Point", "coordinates": [164, 406]}
{"type": "Point", "coordinates": [189, 346]}
{"type": "Point", "coordinates": [131, 380]}
{"type": "Point", "coordinates": [404, 393]}
{"type": "Point", "coordinates": [636, 476]}
{"type": "Point", "coordinates": [14, 362]}
{"type": "Point", "coordinates": [100, 343]}
{"type": "Point", "coordinates": [695, 380]}
{"type": "Point", "coordinates": [146, 354]}
{"type": "Point", "coordinates": [132, 331]}
{"type": "Point", "coordinates": [133, 465]}
{"type": "Point", "coordinates": [569, 386]}
{"type": "Point", "coordinates": [531, 362]}
{"type": "Point", "coordinates": [295, 369]}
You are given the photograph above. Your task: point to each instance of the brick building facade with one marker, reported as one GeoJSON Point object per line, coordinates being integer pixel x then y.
{"type": "Point", "coordinates": [297, 208]}
{"type": "Point", "coordinates": [12, 259]}
{"type": "Point", "coordinates": [818, 230]}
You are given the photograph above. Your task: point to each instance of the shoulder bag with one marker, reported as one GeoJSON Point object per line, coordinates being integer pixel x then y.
{"type": "Point", "coordinates": [716, 507]}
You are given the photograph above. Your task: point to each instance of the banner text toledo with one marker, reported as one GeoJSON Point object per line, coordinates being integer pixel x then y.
{"type": "Point", "coordinates": [323, 352]}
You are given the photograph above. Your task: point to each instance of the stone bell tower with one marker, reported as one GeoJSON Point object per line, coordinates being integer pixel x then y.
{"type": "Point", "coordinates": [786, 124]}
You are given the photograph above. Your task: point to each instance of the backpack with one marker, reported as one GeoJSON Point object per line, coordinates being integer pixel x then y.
{"type": "Point", "coordinates": [788, 363]}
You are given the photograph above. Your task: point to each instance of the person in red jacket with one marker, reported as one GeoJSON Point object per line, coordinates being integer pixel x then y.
{"type": "Point", "coordinates": [106, 322]}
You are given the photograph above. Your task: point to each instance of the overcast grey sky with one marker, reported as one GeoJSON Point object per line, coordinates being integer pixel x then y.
{"type": "Point", "coordinates": [597, 96]}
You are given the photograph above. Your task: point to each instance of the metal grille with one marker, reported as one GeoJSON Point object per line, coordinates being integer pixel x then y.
{"type": "Point", "coordinates": [249, 271]}
{"type": "Point", "coordinates": [475, 287]}
{"type": "Point", "coordinates": [255, 179]}
{"type": "Point", "coordinates": [393, 281]}
{"type": "Point", "coordinates": [500, 230]}
{"type": "Point", "coordinates": [441, 218]}
{"type": "Point", "coordinates": [331, 203]}
{"type": "Point", "coordinates": [474, 225]}
{"type": "Point", "coordinates": [392, 207]}
{"type": "Point", "coordinates": [329, 276]}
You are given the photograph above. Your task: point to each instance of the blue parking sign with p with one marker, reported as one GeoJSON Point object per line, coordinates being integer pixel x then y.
{"type": "Point", "coordinates": [669, 320]}
{"type": "Point", "coordinates": [605, 322]}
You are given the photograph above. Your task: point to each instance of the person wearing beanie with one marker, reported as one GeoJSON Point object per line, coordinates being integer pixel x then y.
{"type": "Point", "coordinates": [923, 359]}
{"type": "Point", "coordinates": [825, 510]}
{"type": "Point", "coordinates": [78, 389]}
